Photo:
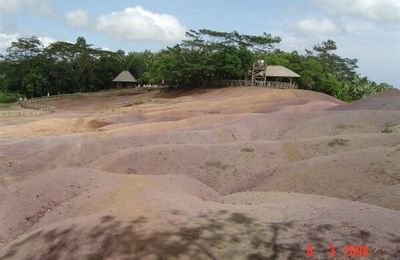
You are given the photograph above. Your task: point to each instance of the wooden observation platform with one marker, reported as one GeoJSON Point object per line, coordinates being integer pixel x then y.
{"type": "Point", "coordinates": [275, 76]}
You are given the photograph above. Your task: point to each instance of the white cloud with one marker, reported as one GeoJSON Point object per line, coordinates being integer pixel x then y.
{"type": "Point", "coordinates": [9, 5]}
{"type": "Point", "coordinates": [138, 24]}
{"type": "Point", "coordinates": [293, 42]}
{"type": "Point", "coordinates": [324, 26]}
{"type": "Point", "coordinates": [361, 27]}
{"type": "Point", "coordinates": [133, 24]}
{"type": "Point", "coordinates": [42, 7]}
{"type": "Point", "coordinates": [46, 41]}
{"type": "Point", "coordinates": [387, 11]}
{"type": "Point", "coordinates": [7, 39]}
{"type": "Point", "coordinates": [77, 18]}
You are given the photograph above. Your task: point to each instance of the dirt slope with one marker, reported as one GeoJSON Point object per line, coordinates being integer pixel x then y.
{"type": "Point", "coordinates": [230, 173]}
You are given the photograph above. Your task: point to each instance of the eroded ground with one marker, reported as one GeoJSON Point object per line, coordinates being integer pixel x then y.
{"type": "Point", "coordinates": [233, 173]}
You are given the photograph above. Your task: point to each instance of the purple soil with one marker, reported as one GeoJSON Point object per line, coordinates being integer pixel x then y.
{"type": "Point", "coordinates": [233, 173]}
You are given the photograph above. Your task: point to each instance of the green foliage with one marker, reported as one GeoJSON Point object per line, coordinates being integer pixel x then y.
{"type": "Point", "coordinates": [138, 63]}
{"type": "Point", "coordinates": [34, 83]}
{"type": "Point", "coordinates": [24, 48]}
{"type": "Point", "coordinates": [230, 64]}
{"type": "Point", "coordinates": [207, 56]}
{"type": "Point", "coordinates": [6, 97]}
{"type": "Point", "coordinates": [62, 67]}
{"type": "Point", "coordinates": [210, 39]}
{"type": "Point", "coordinates": [324, 71]}
{"type": "Point", "coordinates": [204, 57]}
{"type": "Point", "coordinates": [3, 82]}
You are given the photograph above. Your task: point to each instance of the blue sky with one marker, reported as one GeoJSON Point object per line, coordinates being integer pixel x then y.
{"type": "Point", "coordinates": [365, 29]}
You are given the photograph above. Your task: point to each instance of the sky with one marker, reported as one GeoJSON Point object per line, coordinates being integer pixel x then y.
{"type": "Point", "coordinates": [368, 30]}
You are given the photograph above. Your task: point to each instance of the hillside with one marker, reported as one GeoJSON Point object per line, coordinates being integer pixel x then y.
{"type": "Point", "coordinates": [229, 173]}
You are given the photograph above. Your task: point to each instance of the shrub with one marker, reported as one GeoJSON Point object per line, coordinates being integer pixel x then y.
{"type": "Point", "coordinates": [6, 97]}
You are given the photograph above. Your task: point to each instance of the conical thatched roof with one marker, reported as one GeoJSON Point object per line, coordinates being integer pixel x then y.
{"type": "Point", "coordinates": [125, 76]}
{"type": "Point", "coordinates": [279, 72]}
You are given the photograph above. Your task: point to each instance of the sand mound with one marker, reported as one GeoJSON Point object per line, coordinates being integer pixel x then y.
{"type": "Point", "coordinates": [74, 192]}
{"type": "Point", "coordinates": [386, 100]}
{"type": "Point", "coordinates": [345, 175]}
{"type": "Point", "coordinates": [339, 123]}
{"type": "Point", "coordinates": [236, 166]}
{"type": "Point", "coordinates": [229, 173]}
{"type": "Point", "coordinates": [236, 230]}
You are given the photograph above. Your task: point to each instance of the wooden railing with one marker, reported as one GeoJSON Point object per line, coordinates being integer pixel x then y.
{"type": "Point", "coordinates": [101, 93]}
{"type": "Point", "coordinates": [31, 104]}
{"type": "Point", "coordinates": [248, 83]}
{"type": "Point", "coordinates": [34, 109]}
{"type": "Point", "coordinates": [22, 113]}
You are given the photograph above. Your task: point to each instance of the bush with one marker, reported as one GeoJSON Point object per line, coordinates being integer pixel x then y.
{"type": "Point", "coordinates": [6, 97]}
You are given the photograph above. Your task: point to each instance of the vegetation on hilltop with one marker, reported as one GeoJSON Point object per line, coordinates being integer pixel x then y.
{"type": "Point", "coordinates": [205, 56]}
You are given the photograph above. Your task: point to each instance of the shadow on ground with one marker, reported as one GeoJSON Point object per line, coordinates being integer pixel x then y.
{"type": "Point", "coordinates": [214, 235]}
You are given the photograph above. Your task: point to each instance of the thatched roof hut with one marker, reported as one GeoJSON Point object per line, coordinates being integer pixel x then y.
{"type": "Point", "coordinates": [125, 76]}
{"type": "Point", "coordinates": [277, 71]}
{"type": "Point", "coordinates": [125, 79]}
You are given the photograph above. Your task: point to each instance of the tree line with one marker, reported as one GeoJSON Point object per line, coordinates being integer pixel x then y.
{"type": "Point", "coordinates": [30, 69]}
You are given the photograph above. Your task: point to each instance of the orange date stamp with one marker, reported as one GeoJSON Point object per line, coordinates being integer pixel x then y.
{"type": "Point", "coordinates": [348, 251]}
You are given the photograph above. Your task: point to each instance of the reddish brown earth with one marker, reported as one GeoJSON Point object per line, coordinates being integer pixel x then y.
{"type": "Point", "coordinates": [233, 173]}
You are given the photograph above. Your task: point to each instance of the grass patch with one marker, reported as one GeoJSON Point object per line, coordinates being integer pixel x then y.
{"type": "Point", "coordinates": [342, 126]}
{"type": "Point", "coordinates": [339, 142]}
{"type": "Point", "coordinates": [387, 130]}
{"type": "Point", "coordinates": [129, 94]}
{"type": "Point", "coordinates": [139, 102]}
{"type": "Point", "coordinates": [247, 150]}
{"type": "Point", "coordinates": [97, 124]}
{"type": "Point", "coordinates": [217, 164]}
{"type": "Point", "coordinates": [391, 127]}
{"type": "Point", "coordinates": [171, 93]}
{"type": "Point", "coordinates": [6, 97]}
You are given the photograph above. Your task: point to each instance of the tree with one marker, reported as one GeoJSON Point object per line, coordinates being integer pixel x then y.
{"type": "Point", "coordinates": [342, 67]}
{"type": "Point", "coordinates": [34, 83]}
{"type": "Point", "coordinates": [138, 63]}
{"type": "Point", "coordinates": [208, 55]}
{"type": "Point", "coordinates": [213, 40]}
{"type": "Point", "coordinates": [229, 63]}
{"type": "Point", "coordinates": [204, 57]}
{"type": "Point", "coordinates": [24, 48]}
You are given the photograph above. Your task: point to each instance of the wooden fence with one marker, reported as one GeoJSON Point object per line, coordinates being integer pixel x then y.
{"type": "Point", "coordinates": [31, 104]}
{"type": "Point", "coordinates": [248, 83]}
{"type": "Point", "coordinates": [33, 109]}
{"type": "Point", "coordinates": [96, 94]}
{"type": "Point", "coordinates": [21, 113]}
{"type": "Point", "coordinates": [41, 109]}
